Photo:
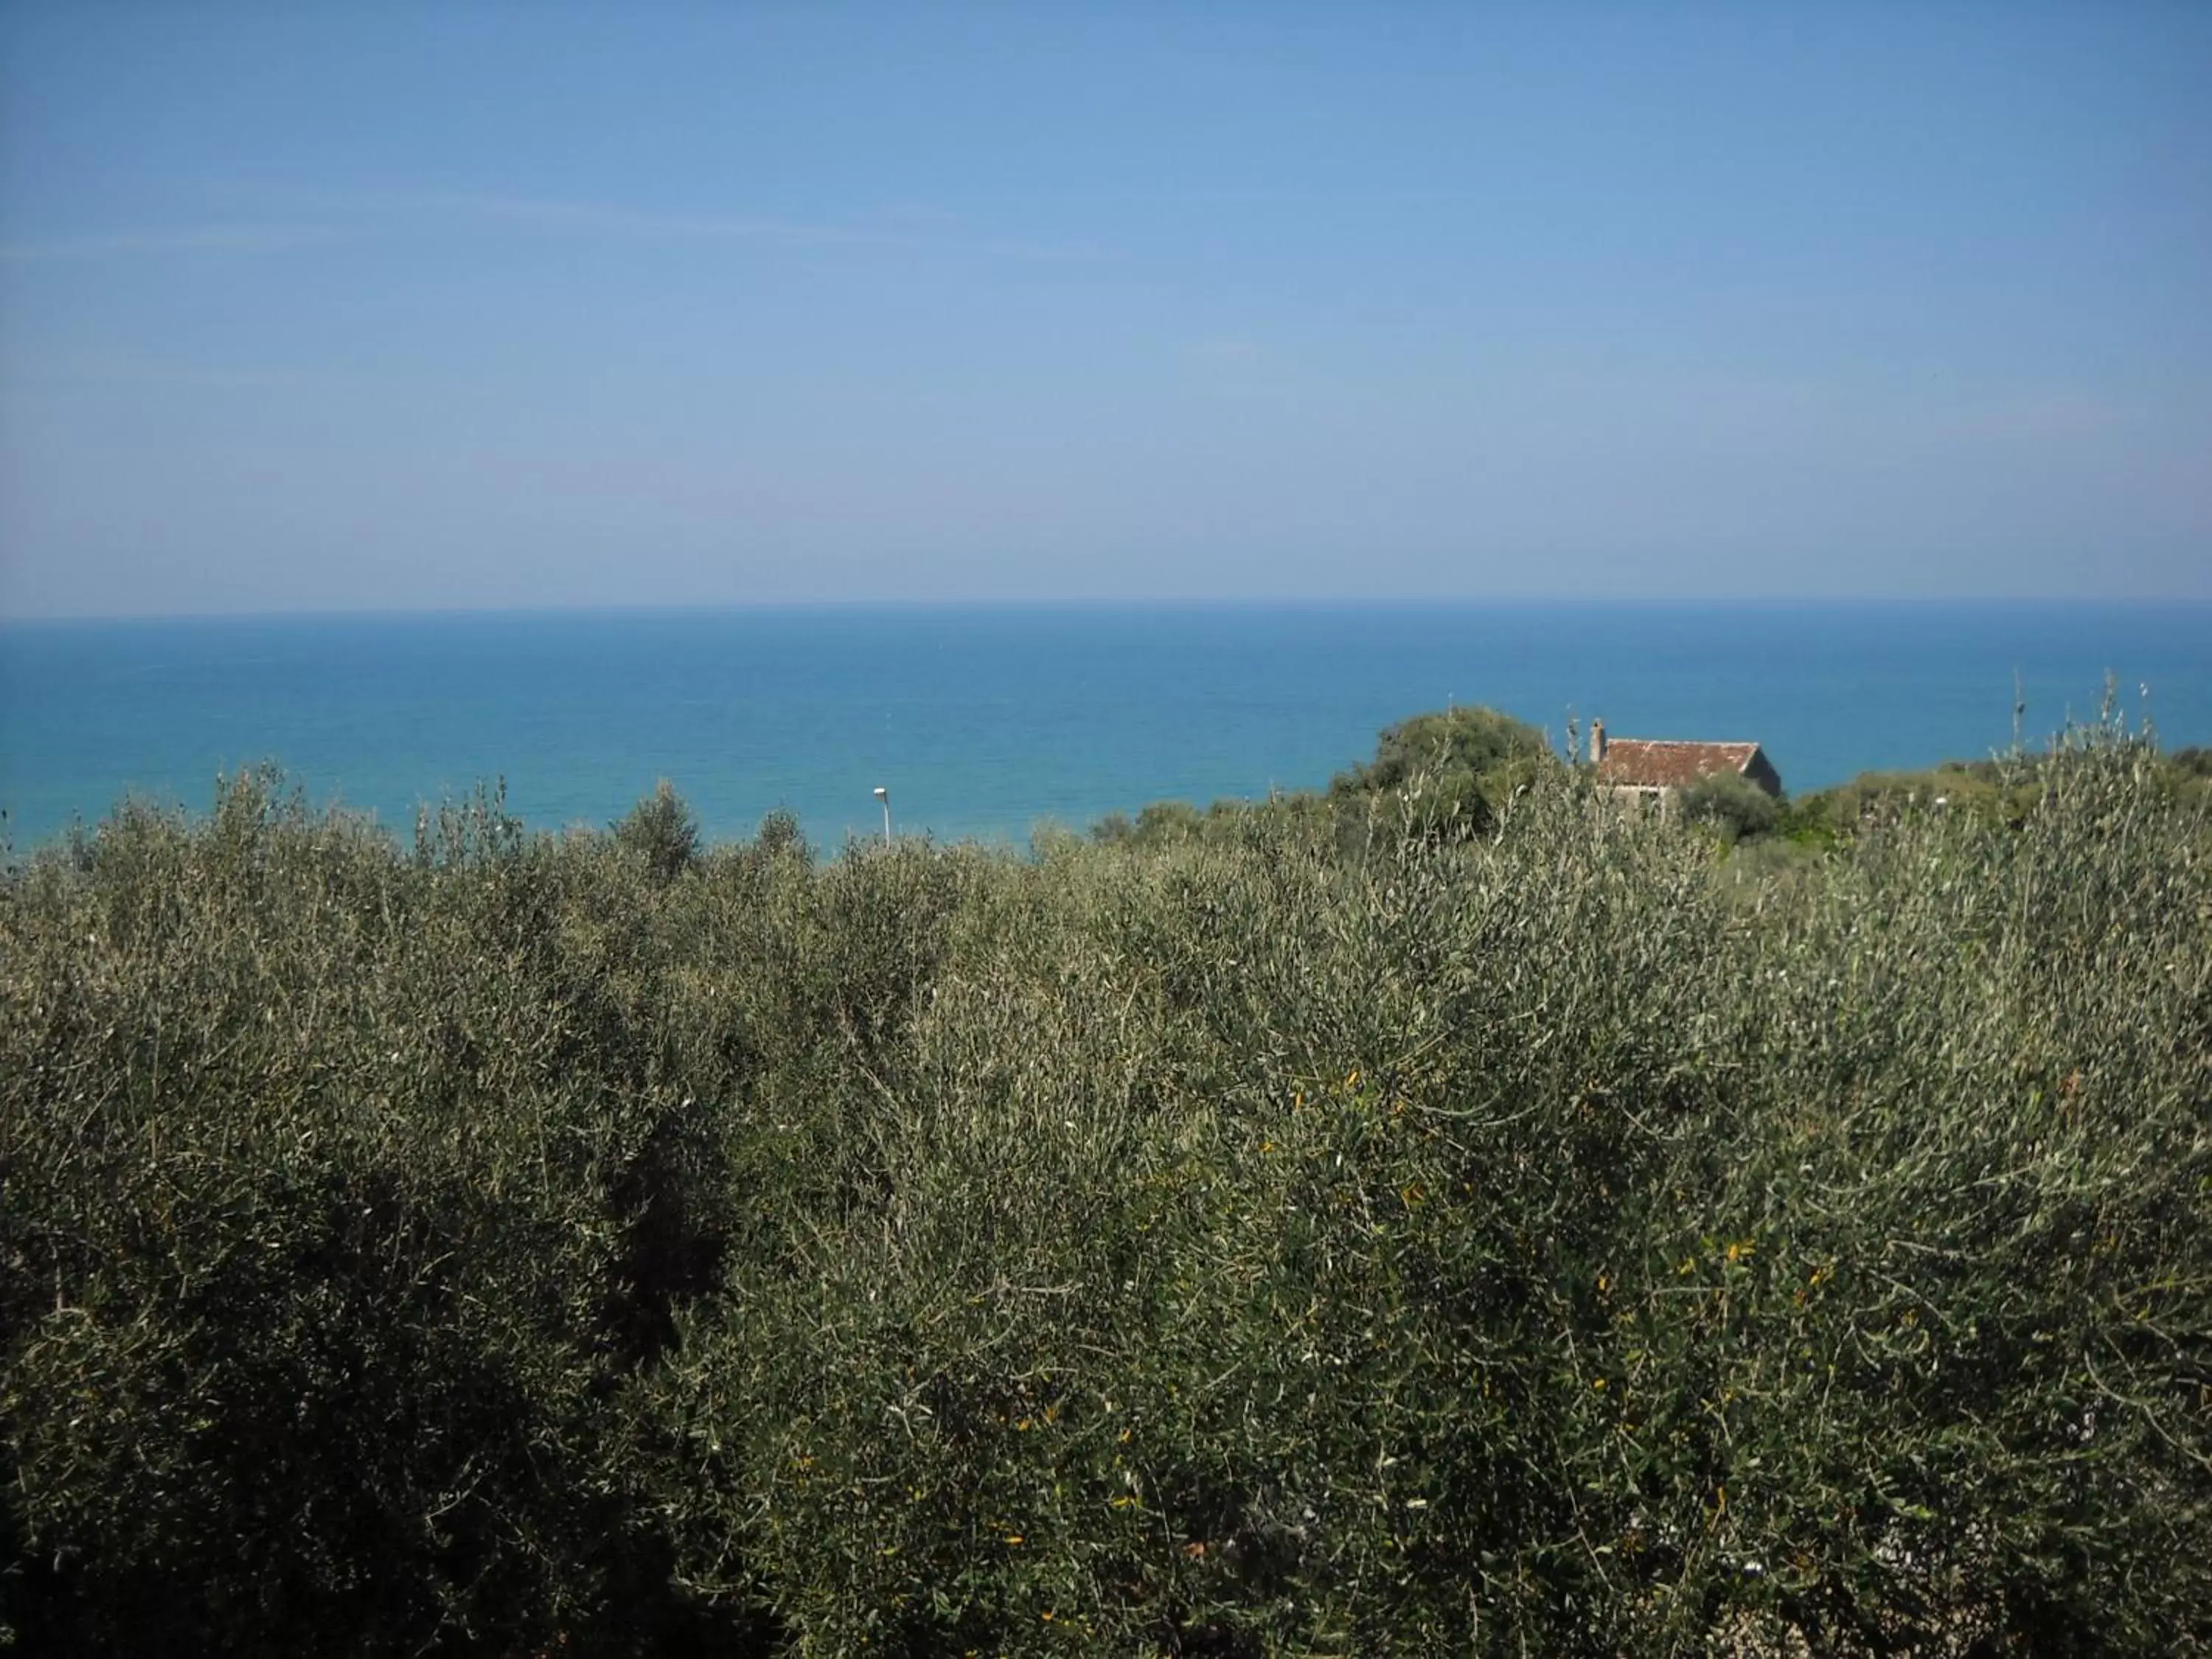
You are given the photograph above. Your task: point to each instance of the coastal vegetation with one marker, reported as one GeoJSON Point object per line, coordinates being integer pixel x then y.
{"type": "Point", "coordinates": [1446, 1214]}
{"type": "Point", "coordinates": [1449, 774]}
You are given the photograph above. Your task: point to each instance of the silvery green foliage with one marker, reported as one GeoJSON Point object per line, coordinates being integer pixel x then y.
{"type": "Point", "coordinates": [1292, 1238]}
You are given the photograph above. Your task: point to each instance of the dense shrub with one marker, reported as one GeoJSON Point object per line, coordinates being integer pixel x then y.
{"type": "Point", "coordinates": [661, 830]}
{"type": "Point", "coordinates": [1459, 767]}
{"type": "Point", "coordinates": [1446, 775]}
{"type": "Point", "coordinates": [1553, 1241]}
{"type": "Point", "coordinates": [1732, 806]}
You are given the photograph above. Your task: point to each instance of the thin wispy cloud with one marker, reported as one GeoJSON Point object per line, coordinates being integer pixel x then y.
{"type": "Point", "coordinates": [404, 214]}
{"type": "Point", "coordinates": [908, 225]}
{"type": "Point", "coordinates": [1289, 198]}
{"type": "Point", "coordinates": [609, 219]}
{"type": "Point", "coordinates": [398, 216]}
{"type": "Point", "coordinates": [121, 369]}
{"type": "Point", "coordinates": [1853, 409]}
{"type": "Point", "coordinates": [201, 239]}
{"type": "Point", "coordinates": [2036, 415]}
{"type": "Point", "coordinates": [927, 213]}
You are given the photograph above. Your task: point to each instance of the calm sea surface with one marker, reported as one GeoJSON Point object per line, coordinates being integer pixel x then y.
{"type": "Point", "coordinates": [984, 722]}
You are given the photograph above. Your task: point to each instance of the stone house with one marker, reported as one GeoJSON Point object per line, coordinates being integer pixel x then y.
{"type": "Point", "coordinates": [1656, 770]}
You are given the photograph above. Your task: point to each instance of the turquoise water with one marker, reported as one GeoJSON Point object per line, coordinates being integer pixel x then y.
{"type": "Point", "coordinates": [984, 722]}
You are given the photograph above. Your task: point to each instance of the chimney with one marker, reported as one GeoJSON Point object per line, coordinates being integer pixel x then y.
{"type": "Point", "coordinates": [1597, 742]}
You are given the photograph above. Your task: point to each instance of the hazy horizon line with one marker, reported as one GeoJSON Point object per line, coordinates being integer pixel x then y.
{"type": "Point", "coordinates": [1079, 603]}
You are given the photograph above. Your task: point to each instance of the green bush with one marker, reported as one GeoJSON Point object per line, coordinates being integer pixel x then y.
{"type": "Point", "coordinates": [1457, 769]}
{"type": "Point", "coordinates": [1555, 1241]}
{"type": "Point", "coordinates": [1732, 806]}
{"type": "Point", "coordinates": [661, 830]}
{"type": "Point", "coordinates": [1445, 775]}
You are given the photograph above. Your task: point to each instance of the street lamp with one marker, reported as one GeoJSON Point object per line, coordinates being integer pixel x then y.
{"type": "Point", "coordinates": [885, 796]}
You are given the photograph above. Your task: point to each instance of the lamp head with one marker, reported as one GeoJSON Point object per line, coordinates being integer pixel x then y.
{"type": "Point", "coordinates": [881, 794]}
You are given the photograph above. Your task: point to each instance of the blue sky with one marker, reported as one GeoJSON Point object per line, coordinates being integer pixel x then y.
{"type": "Point", "coordinates": [396, 307]}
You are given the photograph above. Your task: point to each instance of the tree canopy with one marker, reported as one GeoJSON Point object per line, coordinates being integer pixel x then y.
{"type": "Point", "coordinates": [1461, 766]}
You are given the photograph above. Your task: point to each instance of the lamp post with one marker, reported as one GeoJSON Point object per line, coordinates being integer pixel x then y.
{"type": "Point", "coordinates": [885, 796]}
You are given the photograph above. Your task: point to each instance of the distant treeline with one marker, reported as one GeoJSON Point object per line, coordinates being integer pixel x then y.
{"type": "Point", "coordinates": [1459, 770]}
{"type": "Point", "coordinates": [1447, 1214]}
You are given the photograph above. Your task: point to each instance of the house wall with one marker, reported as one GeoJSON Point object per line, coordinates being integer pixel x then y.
{"type": "Point", "coordinates": [1645, 797]}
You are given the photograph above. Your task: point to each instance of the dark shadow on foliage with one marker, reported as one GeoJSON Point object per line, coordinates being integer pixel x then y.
{"type": "Point", "coordinates": [672, 1245]}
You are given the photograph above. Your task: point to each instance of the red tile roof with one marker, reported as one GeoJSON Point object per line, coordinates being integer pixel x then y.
{"type": "Point", "coordinates": [1640, 762]}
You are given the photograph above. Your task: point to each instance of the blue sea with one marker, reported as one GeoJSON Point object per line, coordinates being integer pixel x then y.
{"type": "Point", "coordinates": [986, 722]}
